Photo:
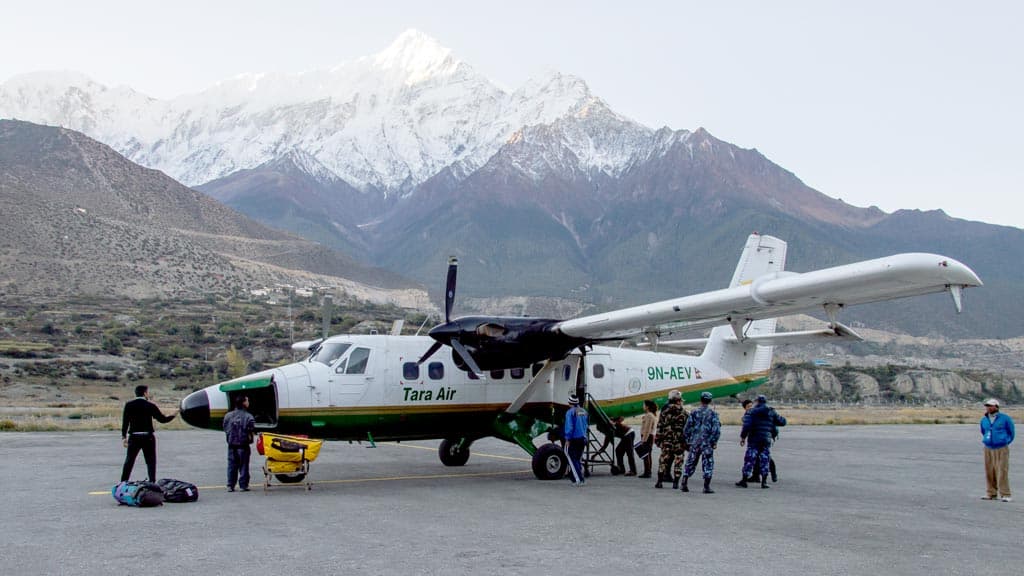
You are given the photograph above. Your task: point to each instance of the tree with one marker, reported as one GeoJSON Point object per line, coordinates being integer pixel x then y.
{"type": "Point", "coordinates": [237, 366]}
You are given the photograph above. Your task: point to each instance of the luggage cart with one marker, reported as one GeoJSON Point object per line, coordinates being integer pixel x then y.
{"type": "Point", "coordinates": [287, 458]}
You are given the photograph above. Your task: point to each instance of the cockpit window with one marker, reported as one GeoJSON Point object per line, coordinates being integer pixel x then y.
{"type": "Point", "coordinates": [328, 352]}
{"type": "Point", "coordinates": [357, 361]}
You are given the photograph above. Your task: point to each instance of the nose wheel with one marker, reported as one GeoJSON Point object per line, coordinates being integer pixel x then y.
{"type": "Point", "coordinates": [454, 452]}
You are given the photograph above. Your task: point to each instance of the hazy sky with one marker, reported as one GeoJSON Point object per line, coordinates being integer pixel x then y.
{"type": "Point", "coordinates": [902, 104]}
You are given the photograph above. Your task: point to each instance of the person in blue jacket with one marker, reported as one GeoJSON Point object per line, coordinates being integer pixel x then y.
{"type": "Point", "coordinates": [760, 426]}
{"type": "Point", "coordinates": [574, 437]}
{"type": "Point", "coordinates": [997, 434]}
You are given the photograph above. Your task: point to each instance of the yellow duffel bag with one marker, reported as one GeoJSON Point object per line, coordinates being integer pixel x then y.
{"type": "Point", "coordinates": [290, 448]}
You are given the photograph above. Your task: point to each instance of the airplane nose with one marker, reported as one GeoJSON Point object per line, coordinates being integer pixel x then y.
{"type": "Point", "coordinates": [195, 409]}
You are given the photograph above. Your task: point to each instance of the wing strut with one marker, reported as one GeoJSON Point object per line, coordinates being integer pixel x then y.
{"type": "Point", "coordinates": [529, 389]}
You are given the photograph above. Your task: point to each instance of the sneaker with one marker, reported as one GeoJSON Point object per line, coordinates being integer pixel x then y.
{"type": "Point", "coordinates": [231, 488]}
{"type": "Point", "coordinates": [1007, 499]}
{"type": "Point", "coordinates": [245, 489]}
{"type": "Point", "coordinates": [989, 498]}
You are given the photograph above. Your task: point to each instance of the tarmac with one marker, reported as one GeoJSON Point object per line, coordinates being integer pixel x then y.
{"type": "Point", "coordinates": [849, 500]}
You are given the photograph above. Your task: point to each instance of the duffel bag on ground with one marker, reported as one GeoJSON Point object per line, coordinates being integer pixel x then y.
{"type": "Point", "coordinates": [138, 493]}
{"type": "Point", "coordinates": [178, 490]}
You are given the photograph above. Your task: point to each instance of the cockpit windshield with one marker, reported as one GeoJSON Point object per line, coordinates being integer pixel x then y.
{"type": "Point", "coordinates": [328, 352]}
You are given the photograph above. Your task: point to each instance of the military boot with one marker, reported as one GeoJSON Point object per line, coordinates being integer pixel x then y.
{"type": "Point", "coordinates": [764, 483]}
{"type": "Point", "coordinates": [661, 478]}
{"type": "Point", "coordinates": [675, 483]}
{"type": "Point", "coordinates": [707, 486]}
{"type": "Point", "coordinates": [742, 483]}
{"type": "Point", "coordinates": [685, 488]}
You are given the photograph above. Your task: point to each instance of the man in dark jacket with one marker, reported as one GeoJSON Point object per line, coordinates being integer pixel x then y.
{"type": "Point", "coordinates": [759, 427]}
{"type": "Point", "coordinates": [239, 426]}
{"type": "Point", "coordinates": [137, 432]}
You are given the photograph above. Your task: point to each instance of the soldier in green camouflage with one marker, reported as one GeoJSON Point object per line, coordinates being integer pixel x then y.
{"type": "Point", "coordinates": [669, 438]}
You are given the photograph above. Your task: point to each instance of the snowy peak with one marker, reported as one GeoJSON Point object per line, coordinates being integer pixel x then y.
{"type": "Point", "coordinates": [418, 55]}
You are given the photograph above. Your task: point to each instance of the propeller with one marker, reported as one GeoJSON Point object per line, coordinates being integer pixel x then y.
{"type": "Point", "coordinates": [449, 302]}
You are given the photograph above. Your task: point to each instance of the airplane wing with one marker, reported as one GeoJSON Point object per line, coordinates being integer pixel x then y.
{"type": "Point", "coordinates": [783, 293]}
{"type": "Point", "coordinates": [834, 333]}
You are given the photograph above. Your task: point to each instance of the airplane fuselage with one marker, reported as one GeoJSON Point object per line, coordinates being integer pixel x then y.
{"type": "Point", "coordinates": [374, 389]}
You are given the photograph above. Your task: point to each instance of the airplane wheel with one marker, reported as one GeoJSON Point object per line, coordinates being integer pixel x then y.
{"type": "Point", "coordinates": [290, 478]}
{"type": "Point", "coordinates": [451, 454]}
{"type": "Point", "coordinates": [549, 462]}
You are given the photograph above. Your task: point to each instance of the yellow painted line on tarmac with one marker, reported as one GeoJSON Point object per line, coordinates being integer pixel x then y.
{"type": "Point", "coordinates": [434, 449]}
{"type": "Point", "coordinates": [255, 487]}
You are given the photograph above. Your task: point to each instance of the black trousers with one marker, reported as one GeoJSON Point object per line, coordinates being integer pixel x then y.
{"type": "Point", "coordinates": [238, 466]}
{"type": "Point", "coordinates": [147, 444]}
{"type": "Point", "coordinates": [625, 448]}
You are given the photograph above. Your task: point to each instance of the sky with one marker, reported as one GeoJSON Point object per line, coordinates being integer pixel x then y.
{"type": "Point", "coordinates": [900, 105]}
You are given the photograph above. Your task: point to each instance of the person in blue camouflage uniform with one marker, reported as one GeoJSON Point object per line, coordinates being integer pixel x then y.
{"type": "Point", "coordinates": [670, 439]}
{"type": "Point", "coordinates": [760, 426]}
{"type": "Point", "coordinates": [702, 432]}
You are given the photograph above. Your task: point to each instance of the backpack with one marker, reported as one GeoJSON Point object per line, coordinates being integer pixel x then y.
{"type": "Point", "coordinates": [178, 490]}
{"type": "Point", "coordinates": [138, 493]}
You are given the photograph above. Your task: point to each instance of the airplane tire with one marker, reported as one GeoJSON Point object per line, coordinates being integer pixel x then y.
{"type": "Point", "coordinates": [549, 462]}
{"type": "Point", "coordinates": [290, 478]}
{"type": "Point", "coordinates": [451, 454]}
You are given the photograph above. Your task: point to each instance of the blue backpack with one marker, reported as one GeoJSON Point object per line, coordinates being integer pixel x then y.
{"type": "Point", "coordinates": [141, 494]}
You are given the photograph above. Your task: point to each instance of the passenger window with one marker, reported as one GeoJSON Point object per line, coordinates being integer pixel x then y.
{"type": "Point", "coordinates": [497, 374]}
{"type": "Point", "coordinates": [411, 371]}
{"type": "Point", "coordinates": [357, 361]}
{"type": "Point", "coordinates": [517, 373]}
{"type": "Point", "coordinates": [598, 370]}
{"type": "Point", "coordinates": [566, 372]}
{"type": "Point", "coordinates": [435, 370]}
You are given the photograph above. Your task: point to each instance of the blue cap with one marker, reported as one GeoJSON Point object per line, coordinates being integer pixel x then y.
{"type": "Point", "coordinates": [761, 399]}
{"type": "Point", "coordinates": [706, 396]}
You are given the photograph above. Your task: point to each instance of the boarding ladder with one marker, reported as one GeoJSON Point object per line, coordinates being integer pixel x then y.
{"type": "Point", "coordinates": [600, 448]}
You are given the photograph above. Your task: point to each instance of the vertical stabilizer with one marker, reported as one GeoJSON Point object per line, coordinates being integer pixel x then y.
{"type": "Point", "coordinates": [762, 256]}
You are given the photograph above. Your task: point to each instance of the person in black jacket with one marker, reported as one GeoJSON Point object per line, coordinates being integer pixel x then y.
{"type": "Point", "coordinates": [760, 425]}
{"type": "Point", "coordinates": [239, 427]}
{"type": "Point", "coordinates": [137, 432]}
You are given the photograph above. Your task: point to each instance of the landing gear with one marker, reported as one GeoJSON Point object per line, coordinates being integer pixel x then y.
{"type": "Point", "coordinates": [549, 462]}
{"type": "Point", "coordinates": [454, 452]}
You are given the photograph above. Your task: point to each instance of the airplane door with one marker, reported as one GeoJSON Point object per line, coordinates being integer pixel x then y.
{"type": "Point", "coordinates": [351, 376]}
{"type": "Point", "coordinates": [599, 375]}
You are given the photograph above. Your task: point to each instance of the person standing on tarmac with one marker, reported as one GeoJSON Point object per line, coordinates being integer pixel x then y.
{"type": "Point", "coordinates": [239, 426]}
{"type": "Point", "coordinates": [703, 429]}
{"type": "Point", "coordinates": [760, 425]}
{"type": "Point", "coordinates": [137, 432]}
{"type": "Point", "coordinates": [577, 424]}
{"type": "Point", "coordinates": [670, 439]}
{"type": "Point", "coordinates": [997, 433]}
{"type": "Point", "coordinates": [647, 426]}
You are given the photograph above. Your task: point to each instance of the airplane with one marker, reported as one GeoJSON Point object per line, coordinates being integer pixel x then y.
{"type": "Point", "coordinates": [510, 377]}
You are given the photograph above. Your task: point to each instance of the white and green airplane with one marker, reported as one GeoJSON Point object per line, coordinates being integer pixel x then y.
{"type": "Point", "coordinates": [510, 377]}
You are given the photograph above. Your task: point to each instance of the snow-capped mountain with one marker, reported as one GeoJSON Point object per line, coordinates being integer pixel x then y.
{"type": "Point", "coordinates": [385, 122]}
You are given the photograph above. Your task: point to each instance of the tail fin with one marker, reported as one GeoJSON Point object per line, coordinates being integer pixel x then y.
{"type": "Point", "coordinates": [762, 256]}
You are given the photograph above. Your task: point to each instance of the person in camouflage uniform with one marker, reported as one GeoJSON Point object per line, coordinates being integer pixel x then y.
{"type": "Point", "coordinates": [669, 438]}
{"type": "Point", "coordinates": [702, 432]}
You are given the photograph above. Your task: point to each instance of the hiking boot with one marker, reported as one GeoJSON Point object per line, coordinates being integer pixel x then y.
{"type": "Point", "coordinates": [685, 488]}
{"type": "Point", "coordinates": [707, 486]}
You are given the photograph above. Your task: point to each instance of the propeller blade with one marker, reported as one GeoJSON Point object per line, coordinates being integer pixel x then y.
{"type": "Point", "coordinates": [449, 290]}
{"type": "Point", "coordinates": [430, 352]}
{"type": "Point", "coordinates": [461, 350]}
